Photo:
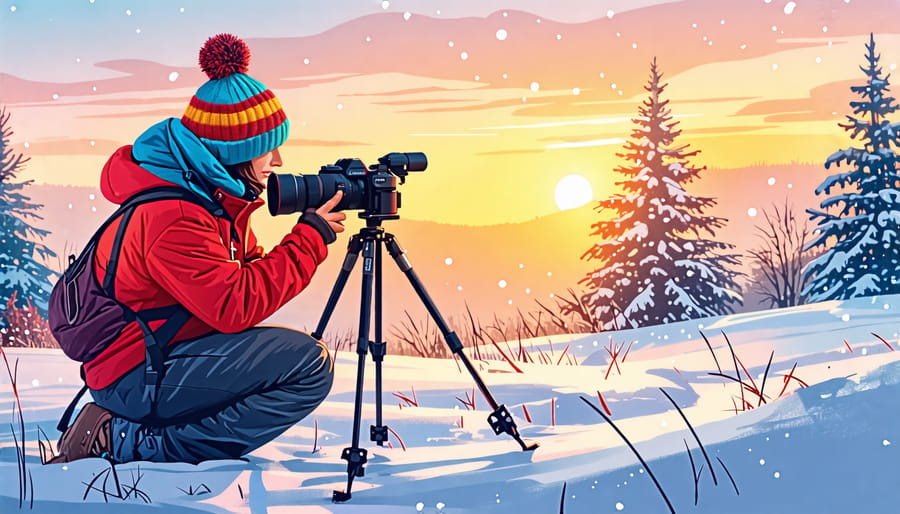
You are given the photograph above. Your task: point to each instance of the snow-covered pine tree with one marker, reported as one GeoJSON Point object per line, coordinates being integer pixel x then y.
{"type": "Point", "coordinates": [655, 266]}
{"type": "Point", "coordinates": [862, 218]}
{"type": "Point", "coordinates": [20, 245]}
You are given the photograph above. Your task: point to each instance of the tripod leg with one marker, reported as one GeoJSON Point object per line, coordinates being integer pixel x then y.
{"type": "Point", "coordinates": [500, 419]}
{"type": "Point", "coordinates": [378, 432]}
{"type": "Point", "coordinates": [354, 455]}
{"type": "Point", "coordinates": [353, 250]}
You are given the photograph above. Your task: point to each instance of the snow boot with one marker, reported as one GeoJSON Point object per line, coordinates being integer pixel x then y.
{"type": "Point", "coordinates": [89, 436]}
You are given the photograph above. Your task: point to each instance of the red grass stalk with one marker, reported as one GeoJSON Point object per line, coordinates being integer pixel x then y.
{"type": "Point", "coordinates": [883, 341]}
{"type": "Point", "coordinates": [12, 378]}
{"type": "Point", "coordinates": [608, 369]}
{"type": "Point", "coordinates": [553, 412]}
{"type": "Point", "coordinates": [676, 370]}
{"type": "Point", "coordinates": [787, 379]}
{"type": "Point", "coordinates": [391, 430]}
{"type": "Point", "coordinates": [525, 411]}
{"type": "Point", "coordinates": [848, 346]}
{"type": "Point", "coordinates": [613, 350]}
{"type": "Point", "coordinates": [563, 354]}
{"type": "Point", "coordinates": [744, 386]}
{"type": "Point", "coordinates": [469, 402]}
{"type": "Point", "coordinates": [755, 389]}
{"type": "Point", "coordinates": [507, 359]}
{"type": "Point", "coordinates": [802, 383]}
{"type": "Point", "coordinates": [508, 349]}
{"type": "Point", "coordinates": [627, 350]}
{"type": "Point", "coordinates": [20, 451]}
{"type": "Point", "coordinates": [410, 402]}
{"type": "Point", "coordinates": [316, 435]}
{"type": "Point", "coordinates": [603, 403]}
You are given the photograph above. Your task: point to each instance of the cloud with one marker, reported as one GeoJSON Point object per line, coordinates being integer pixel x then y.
{"type": "Point", "coordinates": [452, 134]}
{"type": "Point", "coordinates": [554, 124]}
{"type": "Point", "coordinates": [511, 152]}
{"type": "Point", "coordinates": [584, 144]}
{"type": "Point", "coordinates": [820, 105]}
{"type": "Point", "coordinates": [71, 147]}
{"type": "Point", "coordinates": [322, 142]}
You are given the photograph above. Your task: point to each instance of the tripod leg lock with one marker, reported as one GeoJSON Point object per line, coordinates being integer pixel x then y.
{"type": "Point", "coordinates": [378, 350]}
{"type": "Point", "coordinates": [502, 422]}
{"type": "Point", "coordinates": [356, 461]}
{"type": "Point", "coordinates": [378, 434]}
{"type": "Point", "coordinates": [454, 343]}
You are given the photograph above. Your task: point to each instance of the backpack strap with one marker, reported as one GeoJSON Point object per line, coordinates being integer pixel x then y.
{"type": "Point", "coordinates": [175, 315]}
{"type": "Point", "coordinates": [67, 415]}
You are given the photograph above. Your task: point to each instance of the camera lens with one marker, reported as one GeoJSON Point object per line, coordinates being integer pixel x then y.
{"type": "Point", "coordinates": [295, 193]}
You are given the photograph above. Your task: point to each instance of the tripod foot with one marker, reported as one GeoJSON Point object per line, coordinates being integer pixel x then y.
{"type": "Point", "coordinates": [528, 447]}
{"type": "Point", "coordinates": [502, 422]}
{"type": "Point", "coordinates": [339, 496]}
{"type": "Point", "coordinates": [356, 461]}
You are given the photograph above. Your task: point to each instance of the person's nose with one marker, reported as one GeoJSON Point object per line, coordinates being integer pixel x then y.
{"type": "Point", "coordinates": [276, 158]}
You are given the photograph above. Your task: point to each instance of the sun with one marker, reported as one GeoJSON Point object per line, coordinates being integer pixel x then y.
{"type": "Point", "coordinates": [572, 191]}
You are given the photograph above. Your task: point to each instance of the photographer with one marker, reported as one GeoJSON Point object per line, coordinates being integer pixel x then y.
{"type": "Point", "coordinates": [227, 386]}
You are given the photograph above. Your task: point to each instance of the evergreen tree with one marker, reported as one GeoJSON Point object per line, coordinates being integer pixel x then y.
{"type": "Point", "coordinates": [20, 273]}
{"type": "Point", "coordinates": [654, 264]}
{"type": "Point", "coordinates": [862, 218]}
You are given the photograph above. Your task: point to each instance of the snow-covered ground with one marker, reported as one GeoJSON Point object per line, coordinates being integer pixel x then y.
{"type": "Point", "coordinates": [831, 447]}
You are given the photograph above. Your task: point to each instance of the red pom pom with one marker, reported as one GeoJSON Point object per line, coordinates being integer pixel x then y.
{"type": "Point", "coordinates": [223, 55]}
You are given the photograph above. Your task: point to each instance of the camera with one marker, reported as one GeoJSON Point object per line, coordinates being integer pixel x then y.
{"type": "Point", "coordinates": [372, 189]}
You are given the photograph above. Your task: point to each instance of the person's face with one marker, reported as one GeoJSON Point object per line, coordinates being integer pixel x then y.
{"type": "Point", "coordinates": [262, 165]}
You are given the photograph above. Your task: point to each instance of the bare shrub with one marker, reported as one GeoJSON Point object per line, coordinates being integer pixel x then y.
{"type": "Point", "coordinates": [25, 327]}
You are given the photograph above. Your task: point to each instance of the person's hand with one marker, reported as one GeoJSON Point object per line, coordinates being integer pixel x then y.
{"type": "Point", "coordinates": [335, 219]}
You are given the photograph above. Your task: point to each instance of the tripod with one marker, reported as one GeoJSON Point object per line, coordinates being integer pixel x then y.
{"type": "Point", "coordinates": [370, 241]}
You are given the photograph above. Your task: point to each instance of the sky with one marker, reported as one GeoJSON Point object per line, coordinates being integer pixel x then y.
{"type": "Point", "coordinates": [167, 27]}
{"type": "Point", "coordinates": [510, 105]}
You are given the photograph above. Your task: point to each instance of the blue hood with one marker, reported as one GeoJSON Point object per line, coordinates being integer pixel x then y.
{"type": "Point", "coordinates": [173, 153]}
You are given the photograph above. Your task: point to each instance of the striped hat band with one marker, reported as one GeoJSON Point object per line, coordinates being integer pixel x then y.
{"type": "Point", "coordinates": [252, 117]}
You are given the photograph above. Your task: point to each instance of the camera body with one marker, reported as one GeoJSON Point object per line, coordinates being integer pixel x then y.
{"type": "Point", "coordinates": [372, 189]}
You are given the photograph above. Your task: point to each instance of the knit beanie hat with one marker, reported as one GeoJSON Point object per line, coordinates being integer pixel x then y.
{"type": "Point", "coordinates": [233, 114]}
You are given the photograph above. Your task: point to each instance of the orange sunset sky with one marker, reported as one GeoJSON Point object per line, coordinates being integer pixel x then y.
{"type": "Point", "coordinates": [504, 103]}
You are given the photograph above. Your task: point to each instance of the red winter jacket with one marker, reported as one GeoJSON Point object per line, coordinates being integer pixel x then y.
{"type": "Point", "coordinates": [175, 251]}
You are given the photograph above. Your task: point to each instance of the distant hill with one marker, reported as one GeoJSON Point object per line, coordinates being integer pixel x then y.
{"type": "Point", "coordinates": [533, 259]}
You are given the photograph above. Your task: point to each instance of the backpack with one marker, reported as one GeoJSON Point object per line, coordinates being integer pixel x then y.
{"type": "Point", "coordinates": [84, 315]}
